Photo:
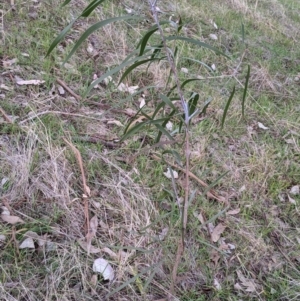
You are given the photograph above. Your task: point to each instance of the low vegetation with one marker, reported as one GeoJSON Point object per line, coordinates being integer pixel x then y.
{"type": "Point", "coordinates": [87, 215]}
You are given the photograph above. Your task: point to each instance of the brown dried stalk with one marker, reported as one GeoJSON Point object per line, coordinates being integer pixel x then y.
{"type": "Point", "coordinates": [180, 248]}
{"type": "Point", "coordinates": [86, 189]}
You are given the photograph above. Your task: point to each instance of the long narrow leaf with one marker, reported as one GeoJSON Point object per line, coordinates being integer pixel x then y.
{"type": "Point", "coordinates": [245, 91]}
{"type": "Point", "coordinates": [133, 66]}
{"type": "Point", "coordinates": [109, 73]}
{"type": "Point", "coordinates": [88, 10]}
{"type": "Point", "coordinates": [196, 42]}
{"type": "Point", "coordinates": [133, 130]}
{"type": "Point", "coordinates": [227, 107]}
{"type": "Point", "coordinates": [60, 37]}
{"type": "Point", "coordinates": [167, 101]}
{"type": "Point", "coordinates": [131, 280]}
{"type": "Point", "coordinates": [163, 131]}
{"type": "Point", "coordinates": [66, 2]}
{"type": "Point", "coordinates": [143, 42]}
{"type": "Point", "coordinates": [95, 27]}
{"type": "Point", "coordinates": [199, 62]}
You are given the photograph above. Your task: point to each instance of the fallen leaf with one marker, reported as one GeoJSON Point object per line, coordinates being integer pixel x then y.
{"type": "Point", "coordinates": [217, 284]}
{"type": "Point", "coordinates": [9, 63]}
{"type": "Point", "coordinates": [30, 82]}
{"type": "Point", "coordinates": [295, 190]}
{"type": "Point", "coordinates": [94, 280]}
{"type": "Point", "coordinates": [11, 219]}
{"type": "Point", "coordinates": [169, 172]}
{"type": "Point", "coordinates": [103, 267]}
{"type": "Point", "coordinates": [261, 126]}
{"type": "Point", "coordinates": [233, 212]}
{"type": "Point", "coordinates": [163, 233]}
{"type": "Point", "coordinates": [291, 200]}
{"type": "Point", "coordinates": [116, 122]}
{"type": "Point", "coordinates": [83, 244]}
{"type": "Point", "coordinates": [125, 88]}
{"type": "Point", "coordinates": [218, 230]}
{"type": "Point", "coordinates": [142, 102]}
{"type": "Point", "coordinates": [129, 10]}
{"type": "Point", "coordinates": [4, 87]}
{"type": "Point", "coordinates": [92, 232]}
{"type": "Point", "coordinates": [184, 70]}
{"type": "Point", "coordinates": [90, 48]}
{"type": "Point", "coordinates": [169, 126]}
{"type": "Point", "coordinates": [111, 253]}
{"type": "Point", "coordinates": [249, 284]}
{"type": "Point", "coordinates": [213, 36]}
{"type": "Point", "coordinates": [27, 243]}
{"type": "Point", "coordinates": [5, 211]}
{"type": "Point", "coordinates": [215, 257]}
{"type": "Point", "coordinates": [61, 90]}
{"type": "Point", "coordinates": [201, 218]}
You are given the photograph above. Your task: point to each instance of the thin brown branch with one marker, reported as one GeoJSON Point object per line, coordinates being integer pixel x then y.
{"type": "Point", "coordinates": [86, 189]}
{"type": "Point", "coordinates": [5, 117]}
{"type": "Point", "coordinates": [211, 193]}
{"type": "Point", "coordinates": [64, 85]}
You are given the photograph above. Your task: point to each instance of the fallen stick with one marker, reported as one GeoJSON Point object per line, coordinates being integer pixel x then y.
{"type": "Point", "coordinates": [211, 193]}
{"type": "Point", "coordinates": [64, 85]}
{"type": "Point", "coordinates": [6, 118]}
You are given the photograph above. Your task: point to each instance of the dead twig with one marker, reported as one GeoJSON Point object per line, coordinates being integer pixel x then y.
{"type": "Point", "coordinates": [64, 85]}
{"type": "Point", "coordinates": [6, 118]}
{"type": "Point", "coordinates": [211, 193]}
{"type": "Point", "coordinates": [86, 189]}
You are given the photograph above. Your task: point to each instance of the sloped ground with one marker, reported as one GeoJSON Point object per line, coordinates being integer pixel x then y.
{"type": "Point", "coordinates": [246, 249]}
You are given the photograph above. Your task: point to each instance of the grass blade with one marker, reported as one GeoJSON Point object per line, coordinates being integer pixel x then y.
{"type": "Point", "coordinates": [146, 37]}
{"type": "Point", "coordinates": [109, 73]}
{"type": "Point", "coordinates": [245, 91]}
{"type": "Point", "coordinates": [60, 37]}
{"type": "Point", "coordinates": [131, 280]}
{"type": "Point", "coordinates": [88, 10]}
{"type": "Point", "coordinates": [66, 2]}
{"type": "Point", "coordinates": [196, 42]}
{"type": "Point", "coordinates": [227, 107]}
{"type": "Point", "coordinates": [95, 27]}
{"type": "Point", "coordinates": [133, 66]}
{"type": "Point", "coordinates": [243, 33]}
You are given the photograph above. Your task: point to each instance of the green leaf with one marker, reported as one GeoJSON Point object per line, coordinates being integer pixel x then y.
{"type": "Point", "coordinates": [133, 130]}
{"type": "Point", "coordinates": [167, 101]}
{"type": "Point", "coordinates": [166, 119]}
{"type": "Point", "coordinates": [245, 91]}
{"type": "Point", "coordinates": [131, 280]}
{"type": "Point", "coordinates": [227, 107]}
{"type": "Point", "coordinates": [180, 25]}
{"type": "Point", "coordinates": [214, 183]}
{"type": "Point", "coordinates": [196, 42]}
{"type": "Point", "coordinates": [66, 2]}
{"type": "Point", "coordinates": [243, 33]}
{"type": "Point", "coordinates": [95, 27]}
{"type": "Point", "coordinates": [206, 104]}
{"type": "Point", "coordinates": [60, 37]}
{"type": "Point", "coordinates": [197, 61]}
{"type": "Point", "coordinates": [143, 42]}
{"type": "Point", "coordinates": [88, 10]}
{"type": "Point", "coordinates": [163, 131]}
{"type": "Point", "coordinates": [109, 73]}
{"type": "Point", "coordinates": [175, 154]}
{"type": "Point", "coordinates": [133, 66]}
{"type": "Point", "coordinates": [193, 103]}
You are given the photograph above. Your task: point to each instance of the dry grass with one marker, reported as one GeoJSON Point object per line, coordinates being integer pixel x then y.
{"type": "Point", "coordinates": [138, 219]}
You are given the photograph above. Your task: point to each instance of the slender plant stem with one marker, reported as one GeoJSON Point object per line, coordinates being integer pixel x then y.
{"type": "Point", "coordinates": [170, 58]}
